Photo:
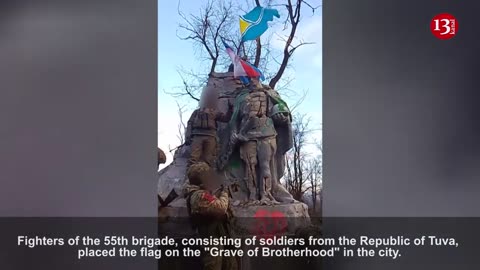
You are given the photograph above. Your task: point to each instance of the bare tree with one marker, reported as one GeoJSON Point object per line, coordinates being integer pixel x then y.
{"type": "Point", "coordinates": [181, 127]}
{"type": "Point", "coordinates": [303, 169]}
{"type": "Point", "coordinates": [315, 179]}
{"type": "Point", "coordinates": [191, 85]}
{"type": "Point", "coordinates": [294, 10]}
{"type": "Point", "coordinates": [297, 163]}
{"type": "Point", "coordinates": [206, 29]}
{"type": "Point", "coordinates": [218, 19]}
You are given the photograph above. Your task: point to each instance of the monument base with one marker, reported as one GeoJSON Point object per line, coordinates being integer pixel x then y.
{"type": "Point", "coordinates": [282, 219]}
{"type": "Point", "coordinates": [266, 221]}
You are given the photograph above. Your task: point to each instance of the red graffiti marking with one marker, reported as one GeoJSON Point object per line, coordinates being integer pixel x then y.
{"type": "Point", "coordinates": [269, 223]}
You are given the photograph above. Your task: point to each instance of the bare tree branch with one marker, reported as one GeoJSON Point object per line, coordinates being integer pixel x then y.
{"type": "Point", "coordinates": [294, 15]}
{"type": "Point", "coordinates": [298, 173]}
{"type": "Point", "coordinates": [312, 7]}
{"type": "Point", "coordinates": [258, 52]}
{"type": "Point", "coordinates": [187, 89]}
{"type": "Point", "coordinates": [207, 28]}
{"type": "Point", "coordinates": [181, 125]}
{"type": "Point", "coordinates": [299, 101]}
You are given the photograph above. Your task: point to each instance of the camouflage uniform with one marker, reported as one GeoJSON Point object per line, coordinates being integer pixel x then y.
{"type": "Point", "coordinates": [210, 216]}
{"type": "Point", "coordinates": [202, 134]}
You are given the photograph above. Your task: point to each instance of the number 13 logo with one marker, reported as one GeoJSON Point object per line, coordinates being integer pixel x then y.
{"type": "Point", "coordinates": [444, 26]}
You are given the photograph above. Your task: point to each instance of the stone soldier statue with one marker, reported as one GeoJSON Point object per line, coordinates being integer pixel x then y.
{"type": "Point", "coordinates": [259, 112]}
{"type": "Point", "coordinates": [209, 213]}
{"type": "Point", "coordinates": [201, 131]}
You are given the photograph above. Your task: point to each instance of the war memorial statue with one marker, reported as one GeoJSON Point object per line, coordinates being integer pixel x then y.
{"type": "Point", "coordinates": [259, 112]}
{"type": "Point", "coordinates": [248, 165]}
{"type": "Point", "coordinates": [250, 159]}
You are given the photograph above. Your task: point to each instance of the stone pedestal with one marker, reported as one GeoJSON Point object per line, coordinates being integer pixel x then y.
{"type": "Point", "coordinates": [251, 220]}
{"type": "Point", "coordinates": [270, 220]}
{"type": "Point", "coordinates": [248, 221]}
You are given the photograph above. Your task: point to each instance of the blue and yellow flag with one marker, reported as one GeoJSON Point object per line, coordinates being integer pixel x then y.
{"type": "Point", "coordinates": [255, 23]}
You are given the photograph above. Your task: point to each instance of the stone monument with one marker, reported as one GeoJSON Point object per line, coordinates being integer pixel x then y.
{"type": "Point", "coordinates": [250, 161]}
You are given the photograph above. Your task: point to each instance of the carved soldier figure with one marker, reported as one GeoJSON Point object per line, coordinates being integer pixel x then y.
{"type": "Point", "coordinates": [257, 114]}
{"type": "Point", "coordinates": [202, 128]}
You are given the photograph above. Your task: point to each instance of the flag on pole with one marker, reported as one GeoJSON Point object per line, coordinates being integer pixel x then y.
{"type": "Point", "coordinates": [242, 68]}
{"type": "Point", "coordinates": [255, 23]}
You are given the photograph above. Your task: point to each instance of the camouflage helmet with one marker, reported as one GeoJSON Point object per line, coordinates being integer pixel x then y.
{"type": "Point", "coordinates": [198, 172]}
{"type": "Point", "coordinates": [279, 109]}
